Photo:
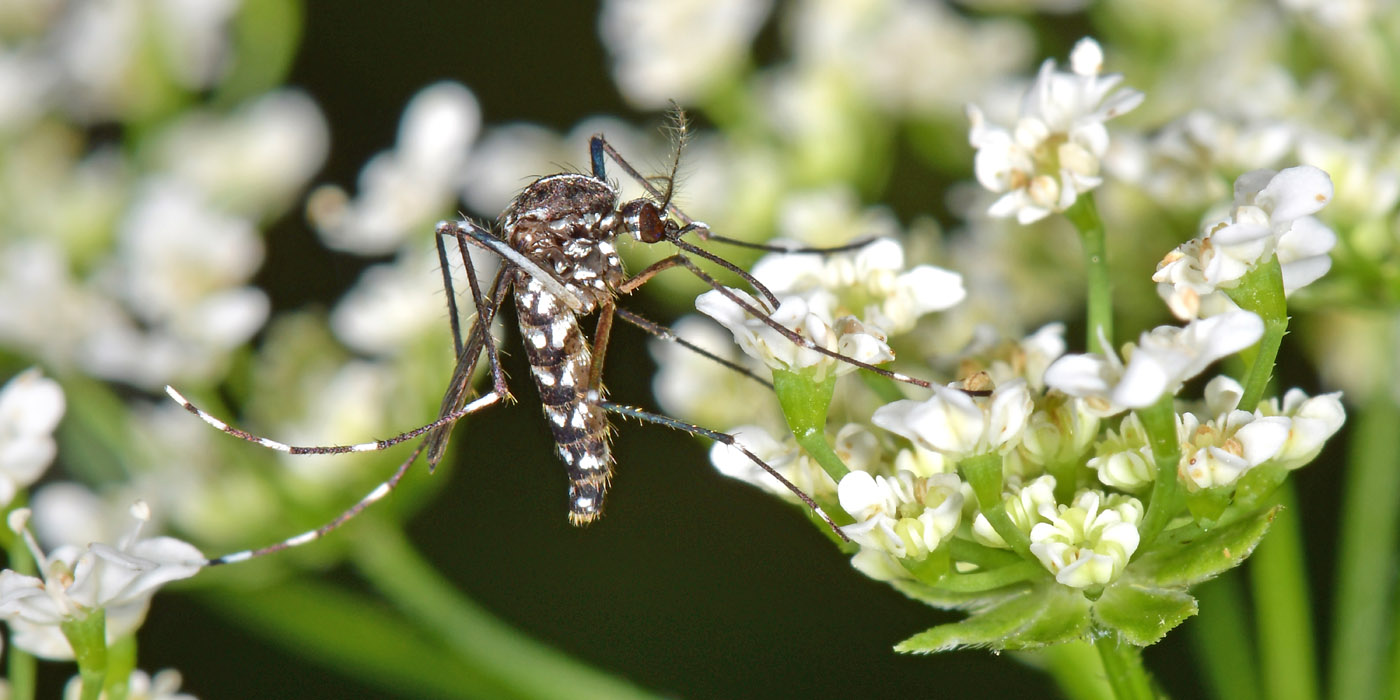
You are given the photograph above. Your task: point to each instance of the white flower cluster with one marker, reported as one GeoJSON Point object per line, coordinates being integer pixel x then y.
{"type": "Point", "coordinates": [1053, 152]}
{"type": "Point", "coordinates": [1272, 215]}
{"type": "Point", "coordinates": [820, 297]}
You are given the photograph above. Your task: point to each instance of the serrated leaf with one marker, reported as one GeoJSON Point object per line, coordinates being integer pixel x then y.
{"type": "Point", "coordinates": [1204, 558]}
{"type": "Point", "coordinates": [1047, 614]}
{"type": "Point", "coordinates": [1141, 615]}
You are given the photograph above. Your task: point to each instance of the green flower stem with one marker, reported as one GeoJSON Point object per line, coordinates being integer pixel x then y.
{"type": "Point", "coordinates": [1076, 668]}
{"type": "Point", "coordinates": [983, 581]}
{"type": "Point", "coordinates": [1281, 608]}
{"type": "Point", "coordinates": [1222, 641]}
{"type": "Point", "coordinates": [1159, 420]}
{"type": "Point", "coordinates": [524, 668]}
{"type": "Point", "coordinates": [88, 637]}
{"type": "Point", "coordinates": [1261, 291]}
{"type": "Point", "coordinates": [121, 661]}
{"type": "Point", "coordinates": [1122, 665]}
{"type": "Point", "coordinates": [983, 556]}
{"type": "Point", "coordinates": [804, 404]}
{"type": "Point", "coordinates": [1085, 217]}
{"type": "Point", "coordinates": [21, 668]}
{"type": "Point", "coordinates": [983, 474]}
{"type": "Point", "coordinates": [1366, 552]}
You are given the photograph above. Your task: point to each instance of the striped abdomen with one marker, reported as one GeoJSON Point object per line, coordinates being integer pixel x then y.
{"type": "Point", "coordinates": [560, 359]}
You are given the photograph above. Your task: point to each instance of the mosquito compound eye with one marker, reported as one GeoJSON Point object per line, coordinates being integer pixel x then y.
{"type": "Point", "coordinates": [643, 220]}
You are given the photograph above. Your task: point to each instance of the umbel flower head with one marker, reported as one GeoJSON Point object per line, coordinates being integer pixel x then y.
{"type": "Point", "coordinates": [1052, 153]}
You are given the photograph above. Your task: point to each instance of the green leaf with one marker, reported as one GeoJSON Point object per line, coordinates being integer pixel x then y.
{"type": "Point", "coordinates": [944, 599]}
{"type": "Point", "coordinates": [1201, 559]}
{"type": "Point", "coordinates": [1047, 614]}
{"type": "Point", "coordinates": [1142, 615]}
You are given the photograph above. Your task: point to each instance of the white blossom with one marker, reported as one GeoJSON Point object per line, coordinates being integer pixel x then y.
{"type": "Point", "coordinates": [1271, 215]}
{"type": "Point", "coordinates": [1162, 360]}
{"type": "Point", "coordinates": [1123, 458]}
{"type": "Point", "coordinates": [121, 580]}
{"type": "Point", "coordinates": [1218, 452]}
{"type": "Point", "coordinates": [1052, 154]}
{"type": "Point", "coordinates": [30, 408]}
{"type": "Point", "coordinates": [903, 515]}
{"type": "Point", "coordinates": [869, 282]}
{"type": "Point", "coordinates": [1312, 420]}
{"type": "Point", "coordinates": [1089, 542]}
{"type": "Point", "coordinates": [958, 424]}
{"type": "Point", "coordinates": [783, 455]}
{"type": "Point", "coordinates": [846, 336]}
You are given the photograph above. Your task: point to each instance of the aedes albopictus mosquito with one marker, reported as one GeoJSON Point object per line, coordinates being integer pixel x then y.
{"type": "Point", "coordinates": [559, 258]}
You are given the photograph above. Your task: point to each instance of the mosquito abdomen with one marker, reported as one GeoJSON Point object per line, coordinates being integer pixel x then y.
{"type": "Point", "coordinates": [560, 359]}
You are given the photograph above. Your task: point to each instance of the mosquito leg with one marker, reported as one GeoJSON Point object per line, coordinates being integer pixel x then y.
{"type": "Point", "coordinates": [451, 294]}
{"type": "Point", "coordinates": [668, 335]}
{"type": "Point", "coordinates": [375, 446]}
{"type": "Point", "coordinates": [498, 377]}
{"type": "Point", "coordinates": [726, 439]}
{"type": "Point", "coordinates": [378, 493]}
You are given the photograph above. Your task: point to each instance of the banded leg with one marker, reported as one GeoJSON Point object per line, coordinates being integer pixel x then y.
{"type": "Point", "coordinates": [376, 494]}
{"type": "Point", "coordinates": [375, 446]}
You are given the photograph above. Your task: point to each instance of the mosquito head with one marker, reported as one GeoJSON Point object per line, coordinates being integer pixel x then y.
{"type": "Point", "coordinates": [646, 222]}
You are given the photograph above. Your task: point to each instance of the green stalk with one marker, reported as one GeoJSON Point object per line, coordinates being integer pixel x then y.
{"type": "Point", "coordinates": [1159, 420]}
{"type": "Point", "coordinates": [1221, 639]}
{"type": "Point", "coordinates": [1366, 551]}
{"type": "Point", "coordinates": [1261, 291]}
{"type": "Point", "coordinates": [21, 668]}
{"type": "Point", "coordinates": [88, 637]}
{"type": "Point", "coordinates": [983, 473]}
{"type": "Point", "coordinates": [1076, 668]}
{"type": "Point", "coordinates": [1085, 217]}
{"type": "Point", "coordinates": [1122, 665]}
{"type": "Point", "coordinates": [1281, 608]}
{"type": "Point", "coordinates": [523, 667]}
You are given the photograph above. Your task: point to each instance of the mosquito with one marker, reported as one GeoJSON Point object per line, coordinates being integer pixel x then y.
{"type": "Point", "coordinates": [557, 244]}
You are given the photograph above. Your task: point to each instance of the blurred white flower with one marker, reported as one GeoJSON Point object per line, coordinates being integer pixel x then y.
{"type": "Point", "coordinates": [30, 408]}
{"type": "Point", "coordinates": [395, 303]}
{"type": "Point", "coordinates": [958, 424]}
{"type": "Point", "coordinates": [1053, 152]}
{"type": "Point", "coordinates": [907, 56]}
{"type": "Point", "coordinates": [1271, 215]}
{"type": "Point", "coordinates": [652, 68]}
{"type": "Point", "coordinates": [255, 159]}
{"type": "Point", "coordinates": [401, 192]}
{"type": "Point", "coordinates": [121, 580]}
{"type": "Point", "coordinates": [870, 282]}
{"type": "Point", "coordinates": [165, 685]}
{"type": "Point", "coordinates": [1089, 542]}
{"type": "Point", "coordinates": [847, 335]}
{"type": "Point", "coordinates": [701, 390]}
{"type": "Point", "coordinates": [1162, 360]}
